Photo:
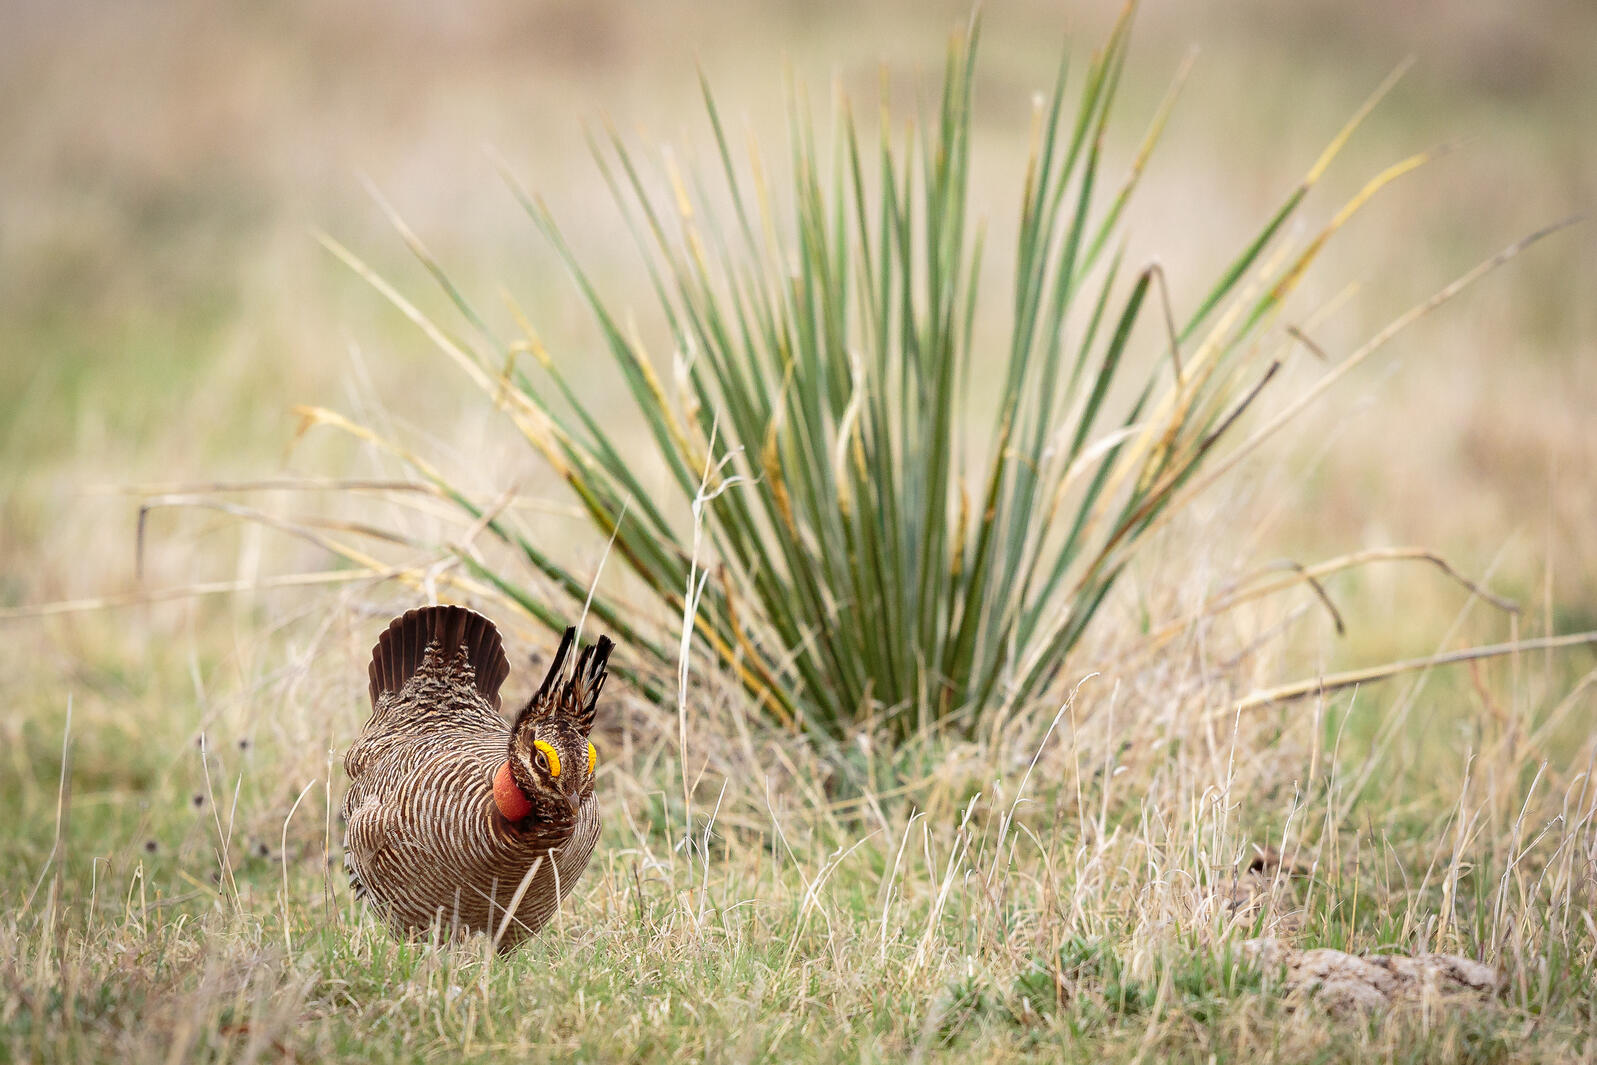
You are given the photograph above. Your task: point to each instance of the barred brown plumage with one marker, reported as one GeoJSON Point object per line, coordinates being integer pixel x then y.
{"type": "Point", "coordinates": [429, 842]}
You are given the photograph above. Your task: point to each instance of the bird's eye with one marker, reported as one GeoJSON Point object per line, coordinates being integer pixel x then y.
{"type": "Point", "coordinates": [546, 758]}
{"type": "Point", "coordinates": [593, 758]}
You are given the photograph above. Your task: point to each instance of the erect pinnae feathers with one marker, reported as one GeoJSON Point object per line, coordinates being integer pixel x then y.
{"type": "Point", "coordinates": [579, 695]}
{"type": "Point", "coordinates": [403, 645]}
{"type": "Point", "coordinates": [592, 669]}
{"type": "Point", "coordinates": [557, 669]}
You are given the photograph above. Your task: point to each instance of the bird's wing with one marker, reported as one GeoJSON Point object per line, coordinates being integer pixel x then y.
{"type": "Point", "coordinates": [371, 831]}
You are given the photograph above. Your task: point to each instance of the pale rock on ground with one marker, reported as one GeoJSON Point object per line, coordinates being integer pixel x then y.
{"type": "Point", "coordinates": [1345, 982]}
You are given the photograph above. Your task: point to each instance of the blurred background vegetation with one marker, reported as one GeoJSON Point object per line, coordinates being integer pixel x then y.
{"type": "Point", "coordinates": [165, 303]}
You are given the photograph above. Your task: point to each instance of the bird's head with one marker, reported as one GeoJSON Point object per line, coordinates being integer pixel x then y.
{"type": "Point", "coordinates": [551, 764]}
{"type": "Point", "coordinates": [549, 771]}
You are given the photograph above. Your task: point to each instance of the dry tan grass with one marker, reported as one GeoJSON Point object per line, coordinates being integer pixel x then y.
{"type": "Point", "coordinates": [1065, 885]}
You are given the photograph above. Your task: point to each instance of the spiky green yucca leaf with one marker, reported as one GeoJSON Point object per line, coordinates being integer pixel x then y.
{"type": "Point", "coordinates": [869, 564]}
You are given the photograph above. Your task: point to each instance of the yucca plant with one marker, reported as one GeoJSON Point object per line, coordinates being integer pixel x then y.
{"type": "Point", "coordinates": [857, 557]}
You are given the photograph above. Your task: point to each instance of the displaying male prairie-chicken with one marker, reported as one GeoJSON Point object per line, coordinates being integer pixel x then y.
{"type": "Point", "coordinates": [456, 822]}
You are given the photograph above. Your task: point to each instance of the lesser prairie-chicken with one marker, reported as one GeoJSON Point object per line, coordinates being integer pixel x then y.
{"type": "Point", "coordinates": [456, 822]}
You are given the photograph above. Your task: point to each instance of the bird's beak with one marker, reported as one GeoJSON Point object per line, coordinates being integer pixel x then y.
{"type": "Point", "coordinates": [575, 799]}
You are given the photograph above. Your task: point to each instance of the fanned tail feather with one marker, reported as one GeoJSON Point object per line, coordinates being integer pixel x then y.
{"type": "Point", "coordinates": [402, 648]}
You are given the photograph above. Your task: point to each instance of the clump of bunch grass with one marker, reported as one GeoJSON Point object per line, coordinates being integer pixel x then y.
{"type": "Point", "coordinates": [854, 557]}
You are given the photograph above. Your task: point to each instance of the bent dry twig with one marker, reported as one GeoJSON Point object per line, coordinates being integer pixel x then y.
{"type": "Point", "coordinates": [1331, 682]}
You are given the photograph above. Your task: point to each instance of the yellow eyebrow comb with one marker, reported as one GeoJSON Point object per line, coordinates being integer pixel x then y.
{"type": "Point", "coordinates": [549, 752]}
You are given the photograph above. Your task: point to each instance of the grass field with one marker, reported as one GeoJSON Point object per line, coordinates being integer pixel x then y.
{"type": "Point", "coordinates": [1074, 883]}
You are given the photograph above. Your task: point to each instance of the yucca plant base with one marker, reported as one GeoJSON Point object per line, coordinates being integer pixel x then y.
{"type": "Point", "coordinates": [849, 561]}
